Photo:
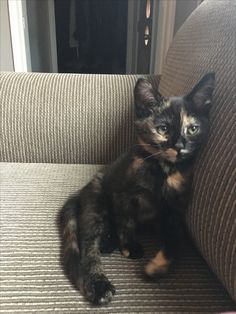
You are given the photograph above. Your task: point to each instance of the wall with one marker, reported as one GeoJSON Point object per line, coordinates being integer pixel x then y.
{"type": "Point", "coordinates": [183, 9]}
{"type": "Point", "coordinates": [39, 36]}
{"type": "Point", "coordinates": [6, 57]}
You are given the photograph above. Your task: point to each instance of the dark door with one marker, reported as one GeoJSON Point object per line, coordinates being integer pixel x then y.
{"type": "Point", "coordinates": [91, 35]}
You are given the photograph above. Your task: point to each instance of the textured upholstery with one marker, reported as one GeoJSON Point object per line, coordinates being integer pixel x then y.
{"type": "Point", "coordinates": [207, 42]}
{"type": "Point", "coordinates": [70, 119]}
{"type": "Point", "coordinates": [63, 118]}
{"type": "Point", "coordinates": [66, 118]}
{"type": "Point", "coordinates": [31, 276]}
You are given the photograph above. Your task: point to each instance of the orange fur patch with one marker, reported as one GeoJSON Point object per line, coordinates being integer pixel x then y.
{"type": "Point", "coordinates": [158, 265]}
{"type": "Point", "coordinates": [176, 181]}
{"type": "Point", "coordinates": [135, 165]}
{"type": "Point", "coordinates": [170, 154]}
{"type": "Point", "coordinates": [159, 138]}
{"type": "Point", "coordinates": [149, 148]}
{"type": "Point", "coordinates": [186, 119]}
{"type": "Point", "coordinates": [125, 253]}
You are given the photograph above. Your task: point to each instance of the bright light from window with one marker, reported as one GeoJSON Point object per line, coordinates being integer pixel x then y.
{"type": "Point", "coordinates": [148, 8]}
{"type": "Point", "coordinates": [146, 35]}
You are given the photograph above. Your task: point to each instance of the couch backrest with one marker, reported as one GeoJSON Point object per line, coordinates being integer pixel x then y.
{"type": "Point", "coordinates": [207, 42]}
{"type": "Point", "coordinates": [65, 118]}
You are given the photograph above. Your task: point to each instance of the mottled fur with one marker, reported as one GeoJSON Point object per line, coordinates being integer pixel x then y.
{"type": "Point", "coordinates": [149, 183]}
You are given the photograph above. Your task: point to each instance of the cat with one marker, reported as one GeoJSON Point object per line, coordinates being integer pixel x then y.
{"type": "Point", "coordinates": [149, 184]}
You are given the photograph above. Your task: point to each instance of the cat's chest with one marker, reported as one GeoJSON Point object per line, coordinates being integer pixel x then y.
{"type": "Point", "coordinates": [171, 187]}
{"type": "Point", "coordinates": [177, 181]}
{"type": "Point", "coordinates": [148, 187]}
{"type": "Point", "coordinates": [164, 183]}
{"type": "Point", "coordinates": [150, 177]}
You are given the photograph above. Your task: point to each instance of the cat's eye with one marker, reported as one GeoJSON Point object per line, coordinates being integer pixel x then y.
{"type": "Point", "coordinates": [193, 129]}
{"type": "Point", "coordinates": [162, 129]}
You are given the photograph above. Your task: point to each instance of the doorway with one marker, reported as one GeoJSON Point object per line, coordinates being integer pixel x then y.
{"type": "Point", "coordinates": [91, 35]}
{"type": "Point", "coordinates": [99, 36]}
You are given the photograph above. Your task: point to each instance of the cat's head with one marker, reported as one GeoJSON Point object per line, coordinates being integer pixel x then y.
{"type": "Point", "coordinates": [173, 128]}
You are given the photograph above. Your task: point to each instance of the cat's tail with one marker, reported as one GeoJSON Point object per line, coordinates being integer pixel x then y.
{"type": "Point", "coordinates": [69, 233]}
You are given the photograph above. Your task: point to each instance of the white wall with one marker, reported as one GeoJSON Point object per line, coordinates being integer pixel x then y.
{"type": "Point", "coordinates": [6, 56]}
{"type": "Point", "coordinates": [43, 59]}
{"type": "Point", "coordinates": [37, 13]}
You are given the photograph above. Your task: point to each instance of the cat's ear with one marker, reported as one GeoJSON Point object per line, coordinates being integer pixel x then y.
{"type": "Point", "coordinates": [201, 95]}
{"type": "Point", "coordinates": [145, 98]}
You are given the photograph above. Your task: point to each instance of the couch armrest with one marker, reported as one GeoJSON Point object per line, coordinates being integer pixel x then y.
{"type": "Point", "coordinates": [205, 43]}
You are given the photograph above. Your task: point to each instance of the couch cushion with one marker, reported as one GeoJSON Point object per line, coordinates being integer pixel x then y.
{"type": "Point", "coordinates": [31, 276]}
{"type": "Point", "coordinates": [207, 42]}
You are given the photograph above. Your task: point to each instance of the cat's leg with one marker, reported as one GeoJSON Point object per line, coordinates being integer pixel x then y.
{"type": "Point", "coordinates": [128, 245]}
{"type": "Point", "coordinates": [93, 222]}
{"type": "Point", "coordinates": [170, 238]}
{"type": "Point", "coordinates": [126, 228]}
{"type": "Point", "coordinates": [92, 280]}
{"type": "Point", "coordinates": [83, 221]}
{"type": "Point", "coordinates": [108, 242]}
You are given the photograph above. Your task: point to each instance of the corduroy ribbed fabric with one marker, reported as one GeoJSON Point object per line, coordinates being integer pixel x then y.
{"type": "Point", "coordinates": [31, 276]}
{"type": "Point", "coordinates": [47, 118]}
{"type": "Point", "coordinates": [207, 42]}
{"type": "Point", "coordinates": [66, 118]}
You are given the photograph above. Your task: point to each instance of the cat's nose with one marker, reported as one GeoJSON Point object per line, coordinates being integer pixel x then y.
{"type": "Point", "coordinates": [179, 144]}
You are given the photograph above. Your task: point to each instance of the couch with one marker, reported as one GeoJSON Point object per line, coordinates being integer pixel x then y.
{"type": "Point", "coordinates": [57, 130]}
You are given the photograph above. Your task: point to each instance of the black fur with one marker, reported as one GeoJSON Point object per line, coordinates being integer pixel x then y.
{"type": "Point", "coordinates": [149, 184]}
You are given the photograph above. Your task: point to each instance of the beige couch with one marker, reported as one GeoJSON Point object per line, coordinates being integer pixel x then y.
{"type": "Point", "coordinates": [57, 130]}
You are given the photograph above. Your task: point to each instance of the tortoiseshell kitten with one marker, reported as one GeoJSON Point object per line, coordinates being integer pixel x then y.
{"type": "Point", "coordinates": [150, 183]}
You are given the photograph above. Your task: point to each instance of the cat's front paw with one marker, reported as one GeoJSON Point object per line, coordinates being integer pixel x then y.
{"type": "Point", "coordinates": [132, 250]}
{"type": "Point", "coordinates": [158, 266]}
{"type": "Point", "coordinates": [98, 289]}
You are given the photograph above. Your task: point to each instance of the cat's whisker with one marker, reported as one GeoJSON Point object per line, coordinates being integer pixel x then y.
{"type": "Point", "coordinates": [155, 154]}
{"type": "Point", "coordinates": [142, 144]}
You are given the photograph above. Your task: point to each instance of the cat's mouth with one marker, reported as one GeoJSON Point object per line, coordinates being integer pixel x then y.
{"type": "Point", "coordinates": [170, 154]}
{"type": "Point", "coordinates": [173, 155]}
{"type": "Point", "coordinates": [184, 153]}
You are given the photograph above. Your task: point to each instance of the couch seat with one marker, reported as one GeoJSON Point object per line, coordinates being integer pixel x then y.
{"type": "Point", "coordinates": [32, 279]}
